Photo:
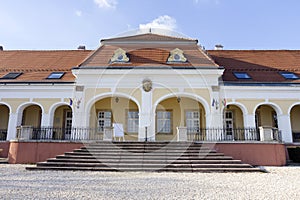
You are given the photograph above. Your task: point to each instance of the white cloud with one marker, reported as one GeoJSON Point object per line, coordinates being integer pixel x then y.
{"type": "Point", "coordinates": [106, 3]}
{"type": "Point", "coordinates": [78, 13]}
{"type": "Point", "coordinates": [162, 22]}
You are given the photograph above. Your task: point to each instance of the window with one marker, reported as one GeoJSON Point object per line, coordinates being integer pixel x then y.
{"type": "Point", "coordinates": [12, 75]}
{"type": "Point", "coordinates": [289, 75]}
{"type": "Point", "coordinates": [229, 123]}
{"type": "Point", "coordinates": [192, 121]}
{"type": "Point", "coordinates": [176, 55]}
{"type": "Point", "coordinates": [241, 75]}
{"type": "Point", "coordinates": [104, 120]}
{"type": "Point", "coordinates": [133, 121]}
{"type": "Point", "coordinates": [119, 56]}
{"type": "Point", "coordinates": [164, 123]}
{"type": "Point", "coordinates": [56, 75]}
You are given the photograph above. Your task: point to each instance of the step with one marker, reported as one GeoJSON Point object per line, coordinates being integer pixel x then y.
{"type": "Point", "coordinates": [143, 165]}
{"type": "Point", "coordinates": [144, 161]}
{"type": "Point", "coordinates": [147, 157]}
{"type": "Point", "coordinates": [125, 153]}
{"type": "Point", "coordinates": [206, 170]}
{"type": "Point", "coordinates": [146, 150]}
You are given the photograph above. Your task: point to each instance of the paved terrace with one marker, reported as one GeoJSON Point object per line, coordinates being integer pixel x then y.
{"type": "Point", "coordinates": [17, 183]}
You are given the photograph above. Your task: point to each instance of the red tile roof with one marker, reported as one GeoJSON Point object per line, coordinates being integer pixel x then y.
{"type": "Point", "coordinates": [37, 65]}
{"type": "Point", "coordinates": [149, 37]}
{"type": "Point", "coordinates": [261, 65]}
{"type": "Point", "coordinates": [151, 55]}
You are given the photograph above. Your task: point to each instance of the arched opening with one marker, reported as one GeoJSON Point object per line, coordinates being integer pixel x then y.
{"type": "Point", "coordinates": [62, 123]}
{"type": "Point", "coordinates": [119, 110]}
{"type": "Point", "coordinates": [234, 123]}
{"type": "Point", "coordinates": [32, 116]}
{"type": "Point", "coordinates": [295, 123]}
{"type": "Point", "coordinates": [266, 116]}
{"type": "Point", "coordinates": [4, 118]}
{"type": "Point", "coordinates": [175, 112]}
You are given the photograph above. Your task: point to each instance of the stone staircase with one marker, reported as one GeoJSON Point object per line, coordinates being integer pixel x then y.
{"type": "Point", "coordinates": [141, 156]}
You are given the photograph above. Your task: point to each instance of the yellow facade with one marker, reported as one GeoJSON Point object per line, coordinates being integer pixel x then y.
{"type": "Point", "coordinates": [32, 116]}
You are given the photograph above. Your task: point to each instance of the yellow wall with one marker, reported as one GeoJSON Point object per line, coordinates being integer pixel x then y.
{"type": "Point", "coordinates": [295, 119]}
{"type": "Point", "coordinates": [59, 116]}
{"type": "Point", "coordinates": [119, 110]}
{"type": "Point", "coordinates": [178, 112]}
{"type": "Point", "coordinates": [4, 116]}
{"type": "Point", "coordinates": [32, 116]}
{"type": "Point", "coordinates": [15, 102]}
{"type": "Point", "coordinates": [46, 103]}
{"type": "Point", "coordinates": [266, 115]}
{"type": "Point", "coordinates": [238, 119]}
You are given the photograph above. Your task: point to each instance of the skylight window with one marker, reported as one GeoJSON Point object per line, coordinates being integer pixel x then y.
{"type": "Point", "coordinates": [12, 75]}
{"type": "Point", "coordinates": [241, 75]}
{"type": "Point", "coordinates": [289, 75]}
{"type": "Point", "coordinates": [56, 75]}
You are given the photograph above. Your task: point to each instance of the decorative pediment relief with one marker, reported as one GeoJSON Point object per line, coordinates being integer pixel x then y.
{"type": "Point", "coordinates": [119, 56]}
{"type": "Point", "coordinates": [176, 55]}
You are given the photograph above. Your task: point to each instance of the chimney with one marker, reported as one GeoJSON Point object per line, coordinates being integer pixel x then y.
{"type": "Point", "coordinates": [81, 47]}
{"type": "Point", "coordinates": [1, 48]}
{"type": "Point", "coordinates": [218, 47]}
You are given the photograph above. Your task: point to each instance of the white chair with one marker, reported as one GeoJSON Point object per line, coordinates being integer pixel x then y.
{"type": "Point", "coordinates": [118, 131]}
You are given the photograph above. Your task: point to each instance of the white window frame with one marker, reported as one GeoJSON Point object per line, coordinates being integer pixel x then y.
{"type": "Point", "coordinates": [106, 120]}
{"type": "Point", "coordinates": [192, 121]}
{"type": "Point", "coordinates": [132, 121]}
{"type": "Point", "coordinates": [164, 121]}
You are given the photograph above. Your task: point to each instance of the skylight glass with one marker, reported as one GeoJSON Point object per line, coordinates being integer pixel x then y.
{"type": "Point", "coordinates": [241, 75]}
{"type": "Point", "coordinates": [56, 75]}
{"type": "Point", "coordinates": [12, 75]}
{"type": "Point", "coordinates": [289, 75]}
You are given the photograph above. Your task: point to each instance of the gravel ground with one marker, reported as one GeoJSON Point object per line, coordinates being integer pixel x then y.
{"type": "Point", "coordinates": [17, 183]}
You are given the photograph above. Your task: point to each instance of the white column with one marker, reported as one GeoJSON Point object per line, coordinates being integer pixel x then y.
{"type": "Point", "coordinates": [145, 119]}
{"type": "Point", "coordinates": [215, 117]}
{"type": "Point", "coordinates": [12, 126]}
{"type": "Point", "coordinates": [46, 120]}
{"type": "Point", "coordinates": [284, 125]}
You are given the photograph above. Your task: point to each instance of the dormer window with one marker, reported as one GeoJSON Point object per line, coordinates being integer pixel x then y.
{"type": "Point", "coordinates": [241, 75]}
{"type": "Point", "coordinates": [289, 75]}
{"type": "Point", "coordinates": [119, 56]}
{"type": "Point", "coordinates": [176, 55]}
{"type": "Point", "coordinates": [56, 75]}
{"type": "Point", "coordinates": [12, 75]}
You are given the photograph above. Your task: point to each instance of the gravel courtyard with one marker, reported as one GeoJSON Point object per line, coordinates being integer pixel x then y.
{"type": "Point", "coordinates": [17, 183]}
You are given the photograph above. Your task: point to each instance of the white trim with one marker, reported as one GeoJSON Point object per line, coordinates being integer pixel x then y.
{"type": "Point", "coordinates": [239, 105]}
{"type": "Point", "coordinates": [53, 108]}
{"type": "Point", "coordinates": [96, 98]}
{"type": "Point", "coordinates": [273, 105]}
{"type": "Point", "coordinates": [6, 104]}
{"type": "Point", "coordinates": [26, 104]}
{"type": "Point", "coordinates": [187, 95]}
{"type": "Point", "coordinates": [292, 106]}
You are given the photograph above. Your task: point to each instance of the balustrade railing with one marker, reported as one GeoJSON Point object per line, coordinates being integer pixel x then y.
{"type": "Point", "coordinates": [205, 134]}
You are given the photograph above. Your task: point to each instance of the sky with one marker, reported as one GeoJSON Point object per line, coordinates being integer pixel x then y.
{"type": "Point", "coordinates": [66, 24]}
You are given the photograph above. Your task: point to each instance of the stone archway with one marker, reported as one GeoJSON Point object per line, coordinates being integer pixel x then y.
{"type": "Point", "coordinates": [109, 110]}
{"type": "Point", "coordinates": [295, 122]}
{"type": "Point", "coordinates": [4, 119]}
{"type": "Point", "coordinates": [176, 112]}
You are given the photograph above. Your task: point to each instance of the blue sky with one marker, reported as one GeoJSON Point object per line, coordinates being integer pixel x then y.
{"type": "Point", "coordinates": [66, 24]}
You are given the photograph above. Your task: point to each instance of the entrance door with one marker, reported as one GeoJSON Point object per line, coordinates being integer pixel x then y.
{"type": "Point", "coordinates": [229, 125]}
{"type": "Point", "coordinates": [192, 121]}
{"type": "Point", "coordinates": [68, 124]}
{"type": "Point", "coordinates": [104, 120]}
